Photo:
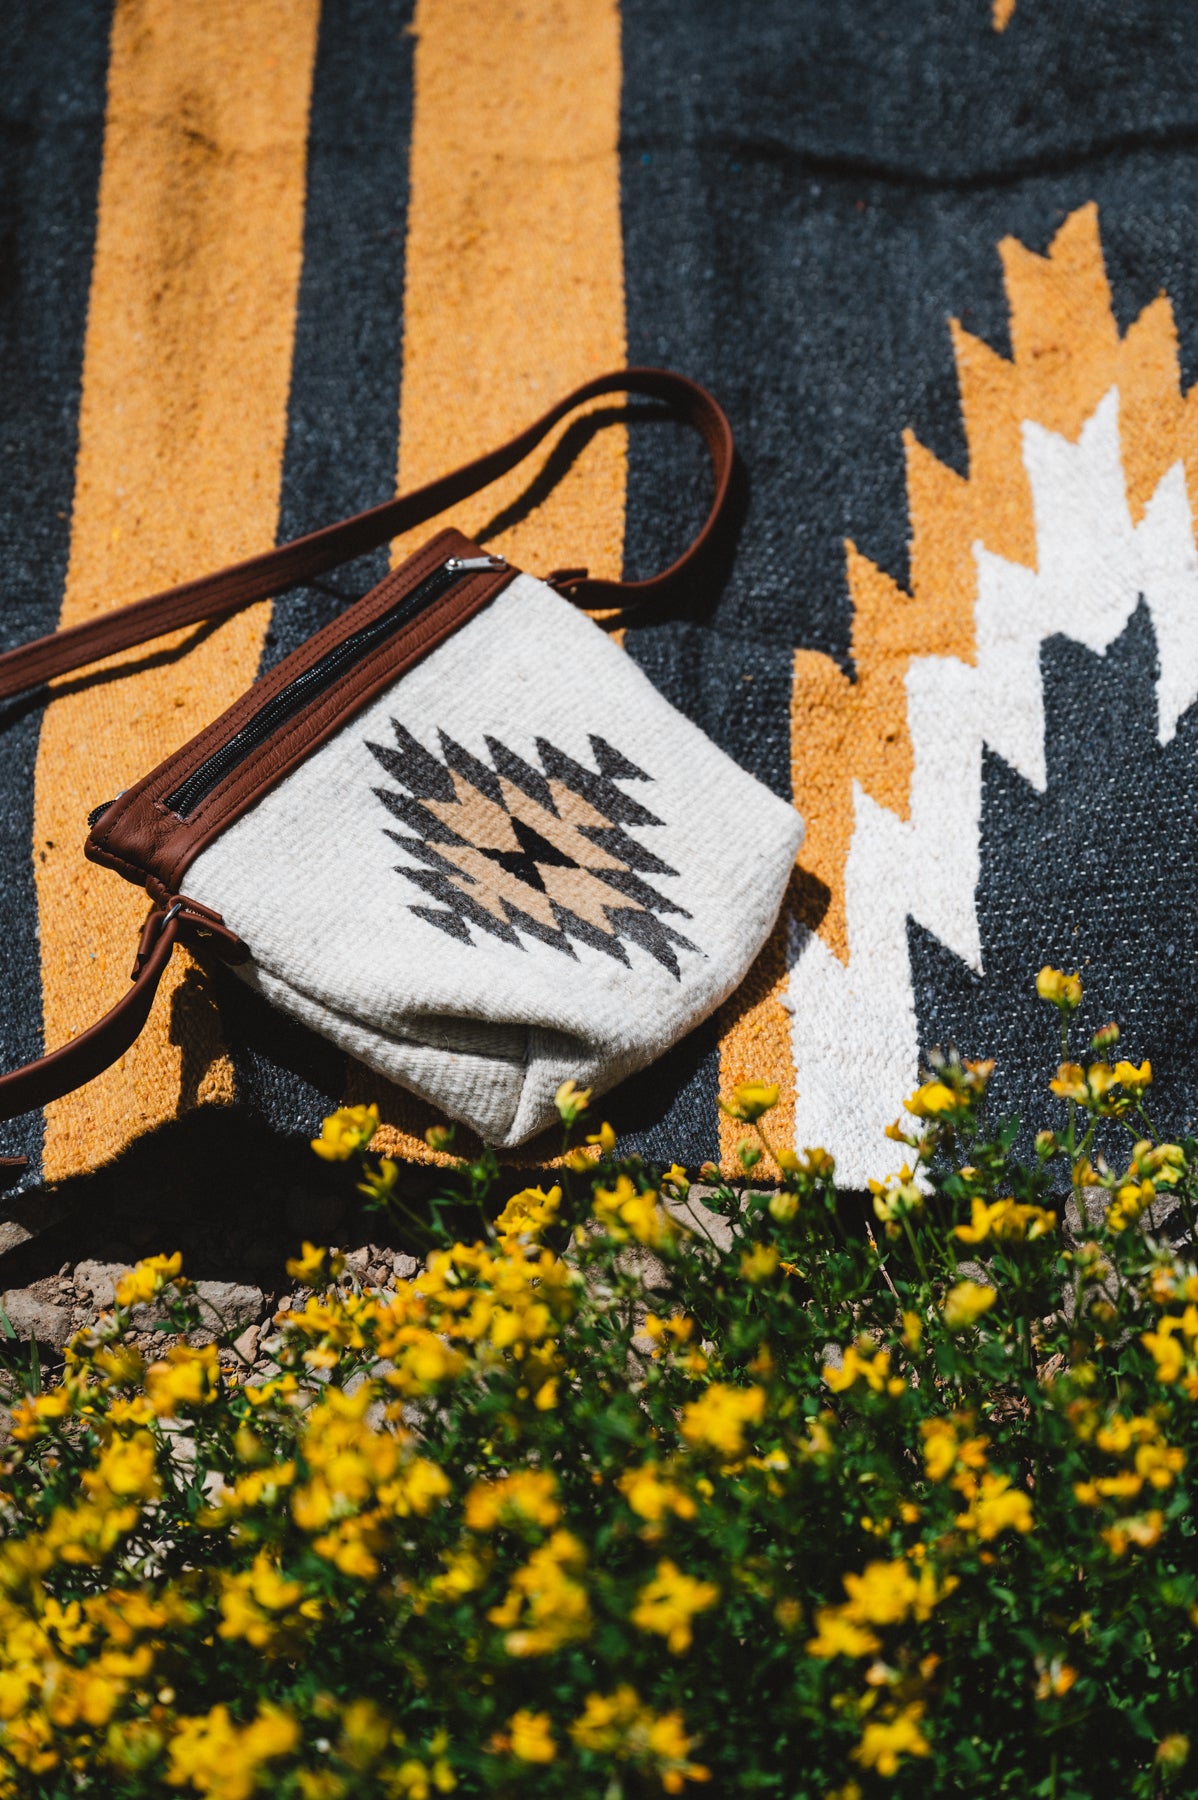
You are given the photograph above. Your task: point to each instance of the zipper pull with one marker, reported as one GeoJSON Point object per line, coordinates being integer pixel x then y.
{"type": "Point", "coordinates": [466, 565]}
{"type": "Point", "coordinates": [97, 812]}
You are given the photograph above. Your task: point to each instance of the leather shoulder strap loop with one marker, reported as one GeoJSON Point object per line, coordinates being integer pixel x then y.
{"type": "Point", "coordinates": [291, 565]}
{"type": "Point", "coordinates": [61, 1071]}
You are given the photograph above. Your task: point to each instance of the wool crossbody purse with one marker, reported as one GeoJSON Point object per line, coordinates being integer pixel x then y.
{"type": "Point", "coordinates": [457, 831]}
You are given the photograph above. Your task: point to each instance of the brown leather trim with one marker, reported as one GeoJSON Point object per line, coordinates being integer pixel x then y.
{"type": "Point", "coordinates": [92, 1051]}
{"type": "Point", "coordinates": [96, 1049]}
{"type": "Point", "coordinates": [145, 843]}
{"type": "Point", "coordinates": [290, 565]}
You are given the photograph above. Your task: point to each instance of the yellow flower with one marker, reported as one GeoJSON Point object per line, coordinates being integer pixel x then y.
{"type": "Point", "coordinates": [936, 1100]}
{"type": "Point", "coordinates": [895, 1197]}
{"type": "Point", "coordinates": [625, 1212]}
{"type": "Point", "coordinates": [223, 1760]}
{"type": "Point", "coordinates": [883, 1595]}
{"type": "Point", "coordinates": [884, 1742]}
{"type": "Point", "coordinates": [1173, 1751]}
{"type": "Point", "coordinates": [912, 1331]}
{"type": "Point", "coordinates": [126, 1469]}
{"type": "Point", "coordinates": [260, 1603]}
{"type": "Point", "coordinates": [605, 1139]}
{"type": "Point", "coordinates": [759, 1263]}
{"type": "Point", "coordinates": [33, 1414]}
{"type": "Point", "coordinates": [1168, 1352]}
{"type": "Point", "coordinates": [620, 1725]}
{"type": "Point", "coordinates": [965, 1303]}
{"type": "Point", "coordinates": [347, 1130]}
{"type": "Point", "coordinates": [651, 1494]}
{"type": "Point", "coordinates": [143, 1283]}
{"type": "Point", "coordinates": [1006, 1220]}
{"type": "Point", "coordinates": [1059, 989]}
{"type": "Point", "coordinates": [1134, 1079]}
{"type": "Point", "coordinates": [667, 1604]}
{"type": "Point", "coordinates": [186, 1377]}
{"type": "Point", "coordinates": [996, 1507]}
{"type": "Point", "coordinates": [677, 1327]}
{"type": "Point", "coordinates": [1158, 1463]}
{"type": "Point", "coordinates": [1142, 1529]}
{"type": "Point", "coordinates": [874, 1371]}
{"type": "Point", "coordinates": [527, 1497]}
{"type": "Point", "coordinates": [528, 1213]}
{"type": "Point", "coordinates": [546, 1604]}
{"type": "Point", "coordinates": [531, 1737]}
{"type": "Point", "coordinates": [1069, 1083]}
{"type": "Point", "coordinates": [717, 1419]}
{"type": "Point", "coordinates": [571, 1101]}
{"type": "Point", "coordinates": [839, 1635]}
{"type": "Point", "coordinates": [315, 1266]}
{"type": "Point", "coordinates": [750, 1101]}
{"type": "Point", "coordinates": [783, 1206]}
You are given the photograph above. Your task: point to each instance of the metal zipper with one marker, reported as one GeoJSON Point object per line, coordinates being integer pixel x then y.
{"type": "Point", "coordinates": [313, 681]}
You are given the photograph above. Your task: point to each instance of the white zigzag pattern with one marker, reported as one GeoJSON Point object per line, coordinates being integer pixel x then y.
{"type": "Point", "coordinates": [854, 1032]}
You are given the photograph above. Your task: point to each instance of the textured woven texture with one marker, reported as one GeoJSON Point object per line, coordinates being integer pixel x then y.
{"type": "Point", "coordinates": [936, 260]}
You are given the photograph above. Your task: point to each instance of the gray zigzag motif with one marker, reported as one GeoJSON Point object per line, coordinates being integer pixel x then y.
{"type": "Point", "coordinates": [525, 852]}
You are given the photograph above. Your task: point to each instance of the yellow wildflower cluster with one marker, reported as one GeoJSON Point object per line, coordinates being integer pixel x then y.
{"type": "Point", "coordinates": [546, 1604]}
{"type": "Point", "coordinates": [884, 1594]}
{"type": "Point", "coordinates": [1173, 1347]}
{"type": "Point", "coordinates": [224, 1760]}
{"type": "Point", "coordinates": [717, 1419]}
{"type": "Point", "coordinates": [667, 1604]}
{"type": "Point", "coordinates": [857, 1365]}
{"type": "Point", "coordinates": [953, 1090]}
{"type": "Point", "coordinates": [144, 1283]}
{"type": "Point", "coordinates": [1095, 1087]}
{"type": "Point", "coordinates": [621, 1726]}
{"type": "Point", "coordinates": [896, 1198]}
{"type": "Point", "coordinates": [513, 1508]}
{"type": "Point", "coordinates": [1005, 1221]}
{"type": "Point", "coordinates": [654, 1494]}
{"type": "Point", "coordinates": [965, 1303]}
{"type": "Point", "coordinates": [1137, 1442]}
{"type": "Point", "coordinates": [361, 1478]}
{"type": "Point", "coordinates": [626, 1211]}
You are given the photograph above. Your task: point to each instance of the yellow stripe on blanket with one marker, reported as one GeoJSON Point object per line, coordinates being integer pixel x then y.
{"type": "Point", "coordinates": [185, 382]}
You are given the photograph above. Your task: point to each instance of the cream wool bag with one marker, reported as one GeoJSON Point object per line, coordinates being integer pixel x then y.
{"type": "Point", "coordinates": [458, 831]}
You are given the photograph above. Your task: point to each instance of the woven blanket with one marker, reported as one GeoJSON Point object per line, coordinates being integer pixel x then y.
{"type": "Point", "coordinates": [265, 259]}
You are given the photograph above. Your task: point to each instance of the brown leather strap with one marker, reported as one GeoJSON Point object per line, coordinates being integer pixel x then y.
{"type": "Point", "coordinates": [291, 565]}
{"type": "Point", "coordinates": [85, 1056]}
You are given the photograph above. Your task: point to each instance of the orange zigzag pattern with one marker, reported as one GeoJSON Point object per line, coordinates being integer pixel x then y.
{"type": "Point", "coordinates": [1067, 354]}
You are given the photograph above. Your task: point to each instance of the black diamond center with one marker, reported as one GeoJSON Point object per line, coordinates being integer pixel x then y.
{"type": "Point", "coordinates": [534, 849]}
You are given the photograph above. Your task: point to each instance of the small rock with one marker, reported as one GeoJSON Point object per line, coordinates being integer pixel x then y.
{"type": "Point", "coordinates": [99, 1279]}
{"type": "Point", "coordinates": [230, 1303]}
{"type": "Point", "coordinates": [406, 1267]}
{"type": "Point", "coordinates": [358, 1261]}
{"type": "Point", "coordinates": [247, 1344]}
{"type": "Point", "coordinates": [33, 1318]}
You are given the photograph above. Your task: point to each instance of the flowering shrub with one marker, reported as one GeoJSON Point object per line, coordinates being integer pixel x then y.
{"type": "Point", "coordinates": [622, 1496]}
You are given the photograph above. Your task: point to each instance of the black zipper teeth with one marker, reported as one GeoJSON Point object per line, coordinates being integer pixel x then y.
{"type": "Point", "coordinates": [298, 693]}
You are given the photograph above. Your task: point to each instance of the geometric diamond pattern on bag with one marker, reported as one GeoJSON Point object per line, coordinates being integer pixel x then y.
{"type": "Point", "coordinates": [519, 851]}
